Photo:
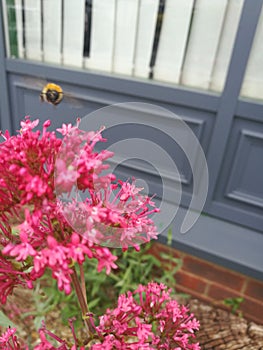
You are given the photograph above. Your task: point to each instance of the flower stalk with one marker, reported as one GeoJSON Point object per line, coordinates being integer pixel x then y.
{"type": "Point", "coordinates": [40, 231]}
{"type": "Point", "coordinates": [83, 304]}
{"type": "Point", "coordinates": [82, 281]}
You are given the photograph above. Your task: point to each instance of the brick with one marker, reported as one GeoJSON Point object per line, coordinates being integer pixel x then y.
{"type": "Point", "coordinates": [190, 281]}
{"type": "Point", "coordinates": [212, 283]}
{"type": "Point", "coordinates": [254, 289]}
{"type": "Point", "coordinates": [219, 292]}
{"type": "Point", "coordinates": [252, 309]}
{"type": "Point", "coordinates": [192, 293]}
{"type": "Point", "coordinates": [213, 272]}
{"type": "Point", "coordinates": [158, 248]}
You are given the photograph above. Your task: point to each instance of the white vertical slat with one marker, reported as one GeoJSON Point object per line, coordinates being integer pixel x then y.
{"type": "Point", "coordinates": [102, 35]}
{"type": "Point", "coordinates": [33, 29]}
{"type": "Point", "coordinates": [226, 44]}
{"type": "Point", "coordinates": [173, 39]}
{"type": "Point", "coordinates": [52, 31]}
{"type": "Point", "coordinates": [73, 32]}
{"type": "Point", "coordinates": [5, 22]}
{"type": "Point", "coordinates": [19, 28]}
{"type": "Point", "coordinates": [125, 36]}
{"type": "Point", "coordinates": [253, 81]}
{"type": "Point", "coordinates": [148, 12]}
{"type": "Point", "coordinates": [203, 43]}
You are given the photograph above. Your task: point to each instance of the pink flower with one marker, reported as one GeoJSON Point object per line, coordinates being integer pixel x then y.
{"type": "Point", "coordinates": [78, 250]}
{"type": "Point", "coordinates": [7, 335]}
{"type": "Point", "coordinates": [66, 177]}
{"type": "Point", "coordinates": [28, 125]}
{"type": "Point", "coordinates": [36, 170]}
{"type": "Point", "coordinates": [128, 190]}
{"type": "Point", "coordinates": [39, 231]}
{"type": "Point", "coordinates": [105, 259]}
{"type": "Point", "coordinates": [63, 278]}
{"type": "Point", "coordinates": [132, 322]}
{"type": "Point", "coordinates": [20, 251]}
{"type": "Point", "coordinates": [144, 331]}
{"type": "Point", "coordinates": [8, 340]}
{"type": "Point", "coordinates": [65, 129]}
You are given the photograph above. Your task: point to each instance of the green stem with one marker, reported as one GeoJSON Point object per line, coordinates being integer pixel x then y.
{"type": "Point", "coordinates": [83, 304]}
{"type": "Point", "coordinates": [82, 282]}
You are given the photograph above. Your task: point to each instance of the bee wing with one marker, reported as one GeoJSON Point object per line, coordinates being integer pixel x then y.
{"type": "Point", "coordinates": [33, 83]}
{"type": "Point", "coordinates": [73, 100]}
{"type": "Point", "coordinates": [39, 84]}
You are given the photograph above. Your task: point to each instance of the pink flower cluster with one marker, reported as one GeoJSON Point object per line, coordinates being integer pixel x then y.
{"type": "Point", "coordinates": [45, 225]}
{"type": "Point", "coordinates": [113, 214]}
{"type": "Point", "coordinates": [147, 319]}
{"type": "Point", "coordinates": [8, 340]}
{"type": "Point", "coordinates": [38, 230]}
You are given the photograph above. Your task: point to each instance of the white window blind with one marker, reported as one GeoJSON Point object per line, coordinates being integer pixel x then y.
{"type": "Point", "coordinates": [33, 29]}
{"type": "Point", "coordinates": [226, 44]}
{"type": "Point", "coordinates": [253, 81]}
{"type": "Point", "coordinates": [185, 42]}
{"type": "Point", "coordinates": [102, 35]}
{"type": "Point", "coordinates": [125, 36]}
{"type": "Point", "coordinates": [19, 28]}
{"type": "Point", "coordinates": [73, 32]}
{"type": "Point", "coordinates": [204, 39]}
{"type": "Point", "coordinates": [52, 31]}
{"type": "Point", "coordinates": [147, 16]}
{"type": "Point", "coordinates": [173, 40]}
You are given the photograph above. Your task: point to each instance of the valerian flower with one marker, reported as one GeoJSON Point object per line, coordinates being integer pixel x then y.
{"type": "Point", "coordinates": [148, 319]}
{"type": "Point", "coordinates": [38, 231]}
{"type": "Point", "coordinates": [44, 225]}
{"type": "Point", "coordinates": [8, 340]}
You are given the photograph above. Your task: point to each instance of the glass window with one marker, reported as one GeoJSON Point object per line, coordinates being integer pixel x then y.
{"type": "Point", "coordinates": [253, 80]}
{"type": "Point", "coordinates": [182, 42]}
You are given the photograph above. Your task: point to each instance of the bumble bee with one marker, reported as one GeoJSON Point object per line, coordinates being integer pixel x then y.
{"type": "Point", "coordinates": [52, 93]}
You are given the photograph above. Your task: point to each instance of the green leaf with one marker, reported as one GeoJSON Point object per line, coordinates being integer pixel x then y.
{"type": "Point", "coordinates": [233, 303]}
{"type": "Point", "coordinates": [5, 321]}
{"type": "Point", "coordinates": [93, 303]}
{"type": "Point", "coordinates": [169, 236]}
{"type": "Point", "coordinates": [38, 321]}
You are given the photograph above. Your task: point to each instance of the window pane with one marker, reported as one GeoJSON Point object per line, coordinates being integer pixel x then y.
{"type": "Point", "coordinates": [182, 42]}
{"type": "Point", "coordinates": [253, 80]}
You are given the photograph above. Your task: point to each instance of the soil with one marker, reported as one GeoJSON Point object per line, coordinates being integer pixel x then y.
{"type": "Point", "coordinates": [219, 329]}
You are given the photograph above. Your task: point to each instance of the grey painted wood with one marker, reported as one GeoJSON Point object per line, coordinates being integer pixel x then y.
{"type": "Point", "coordinates": [118, 84]}
{"type": "Point", "coordinates": [222, 242]}
{"type": "Point", "coordinates": [239, 158]}
{"type": "Point", "coordinates": [239, 192]}
{"type": "Point", "coordinates": [250, 109]}
{"type": "Point", "coordinates": [228, 102]}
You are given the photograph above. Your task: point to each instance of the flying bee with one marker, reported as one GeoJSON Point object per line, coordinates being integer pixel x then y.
{"type": "Point", "coordinates": [52, 93]}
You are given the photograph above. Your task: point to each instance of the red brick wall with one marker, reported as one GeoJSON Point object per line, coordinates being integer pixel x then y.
{"type": "Point", "coordinates": [213, 283]}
